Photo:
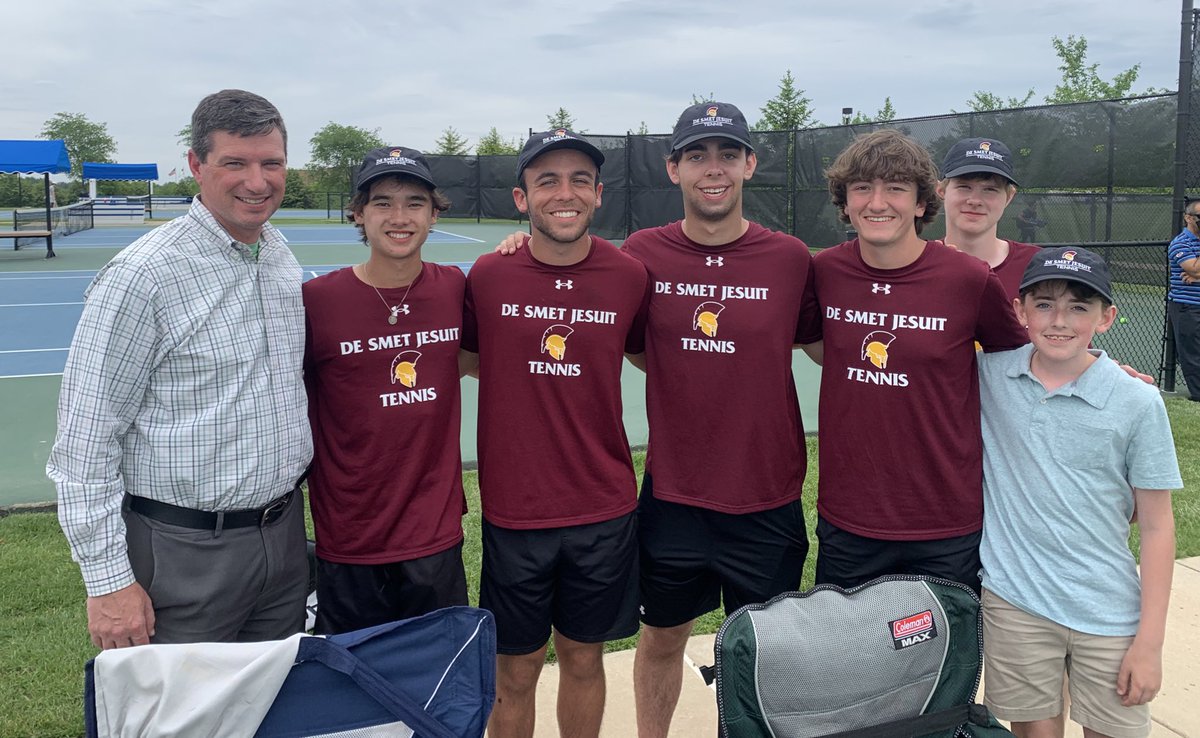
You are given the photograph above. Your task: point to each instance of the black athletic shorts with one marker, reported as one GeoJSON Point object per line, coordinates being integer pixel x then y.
{"type": "Point", "coordinates": [354, 596]}
{"type": "Point", "coordinates": [580, 579]}
{"type": "Point", "coordinates": [692, 558]}
{"type": "Point", "coordinates": [847, 560]}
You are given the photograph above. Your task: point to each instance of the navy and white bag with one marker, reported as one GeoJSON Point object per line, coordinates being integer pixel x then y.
{"type": "Point", "coordinates": [431, 676]}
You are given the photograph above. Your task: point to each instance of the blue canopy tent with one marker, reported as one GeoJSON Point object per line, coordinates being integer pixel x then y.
{"type": "Point", "coordinates": [128, 173]}
{"type": "Point", "coordinates": [34, 157]}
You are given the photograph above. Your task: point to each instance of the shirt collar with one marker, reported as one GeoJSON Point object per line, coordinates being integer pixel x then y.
{"type": "Point", "coordinates": [1094, 386]}
{"type": "Point", "coordinates": [270, 238]}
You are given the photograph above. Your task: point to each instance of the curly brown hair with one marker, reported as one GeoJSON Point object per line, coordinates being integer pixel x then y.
{"type": "Point", "coordinates": [889, 155]}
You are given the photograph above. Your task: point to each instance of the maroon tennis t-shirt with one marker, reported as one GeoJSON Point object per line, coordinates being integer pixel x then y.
{"type": "Point", "coordinates": [725, 426]}
{"type": "Point", "coordinates": [383, 400]}
{"type": "Point", "coordinates": [900, 446]}
{"type": "Point", "coordinates": [551, 342]}
{"type": "Point", "coordinates": [1012, 268]}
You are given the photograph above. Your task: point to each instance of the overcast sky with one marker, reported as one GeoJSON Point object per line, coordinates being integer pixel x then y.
{"type": "Point", "coordinates": [410, 68]}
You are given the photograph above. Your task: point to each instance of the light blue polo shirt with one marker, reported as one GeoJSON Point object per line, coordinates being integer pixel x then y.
{"type": "Point", "coordinates": [1058, 473]}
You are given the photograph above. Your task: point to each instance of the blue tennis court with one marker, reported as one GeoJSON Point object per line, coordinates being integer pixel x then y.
{"type": "Point", "coordinates": [39, 311]}
{"type": "Point", "coordinates": [297, 235]}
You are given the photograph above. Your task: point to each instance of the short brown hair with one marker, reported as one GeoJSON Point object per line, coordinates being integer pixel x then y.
{"type": "Point", "coordinates": [889, 155]}
{"type": "Point", "coordinates": [441, 203]}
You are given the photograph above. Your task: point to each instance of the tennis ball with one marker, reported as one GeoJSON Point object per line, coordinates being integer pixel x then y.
{"type": "Point", "coordinates": [1123, 320]}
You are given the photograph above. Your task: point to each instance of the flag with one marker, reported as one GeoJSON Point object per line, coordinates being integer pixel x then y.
{"type": "Point", "coordinates": [171, 173]}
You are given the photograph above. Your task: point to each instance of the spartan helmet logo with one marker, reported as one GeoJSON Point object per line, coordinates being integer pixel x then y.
{"type": "Point", "coordinates": [395, 153]}
{"type": "Point", "coordinates": [712, 111]}
{"type": "Point", "coordinates": [404, 368]}
{"type": "Point", "coordinates": [875, 348]}
{"type": "Point", "coordinates": [1069, 255]}
{"type": "Point", "coordinates": [554, 340]}
{"type": "Point", "coordinates": [561, 132]}
{"type": "Point", "coordinates": [705, 318]}
{"type": "Point", "coordinates": [985, 145]}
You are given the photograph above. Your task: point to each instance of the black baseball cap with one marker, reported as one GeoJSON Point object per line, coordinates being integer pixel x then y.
{"type": "Point", "coordinates": [561, 138]}
{"type": "Point", "coordinates": [392, 160]}
{"type": "Point", "coordinates": [1072, 264]}
{"type": "Point", "coordinates": [708, 120]}
{"type": "Point", "coordinates": [972, 155]}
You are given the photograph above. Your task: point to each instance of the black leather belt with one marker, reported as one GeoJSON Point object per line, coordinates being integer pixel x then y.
{"type": "Point", "coordinates": [186, 517]}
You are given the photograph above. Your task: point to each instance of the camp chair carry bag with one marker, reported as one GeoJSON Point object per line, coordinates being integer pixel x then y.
{"type": "Point", "coordinates": [431, 676]}
{"type": "Point", "coordinates": [897, 657]}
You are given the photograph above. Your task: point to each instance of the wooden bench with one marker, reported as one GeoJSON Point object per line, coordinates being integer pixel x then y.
{"type": "Point", "coordinates": [48, 235]}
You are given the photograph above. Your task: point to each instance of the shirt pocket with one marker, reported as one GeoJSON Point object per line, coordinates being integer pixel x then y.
{"type": "Point", "coordinates": [1081, 446]}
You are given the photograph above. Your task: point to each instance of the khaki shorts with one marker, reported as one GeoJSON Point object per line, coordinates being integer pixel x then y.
{"type": "Point", "coordinates": [1026, 657]}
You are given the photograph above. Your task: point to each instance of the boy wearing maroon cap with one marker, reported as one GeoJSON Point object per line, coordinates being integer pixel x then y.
{"type": "Point", "coordinates": [381, 368]}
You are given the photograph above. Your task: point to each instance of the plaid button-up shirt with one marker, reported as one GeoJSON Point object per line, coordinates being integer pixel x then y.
{"type": "Point", "coordinates": [183, 384]}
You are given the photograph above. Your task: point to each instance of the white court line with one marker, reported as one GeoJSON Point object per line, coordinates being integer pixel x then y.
{"type": "Point", "coordinates": [19, 276]}
{"type": "Point", "coordinates": [458, 235]}
{"type": "Point", "coordinates": [37, 304]}
{"type": "Point", "coordinates": [31, 351]}
{"type": "Point", "coordinates": [26, 376]}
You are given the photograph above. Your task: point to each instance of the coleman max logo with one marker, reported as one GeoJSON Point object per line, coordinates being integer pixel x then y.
{"type": "Point", "coordinates": [913, 629]}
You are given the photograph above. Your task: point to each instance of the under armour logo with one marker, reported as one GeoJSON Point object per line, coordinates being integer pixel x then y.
{"type": "Point", "coordinates": [714, 260]}
{"type": "Point", "coordinates": [560, 283]}
{"type": "Point", "coordinates": [400, 309]}
{"type": "Point", "coordinates": [884, 288]}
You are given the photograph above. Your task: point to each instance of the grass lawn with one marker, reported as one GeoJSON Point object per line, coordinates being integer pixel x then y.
{"type": "Point", "coordinates": [44, 641]}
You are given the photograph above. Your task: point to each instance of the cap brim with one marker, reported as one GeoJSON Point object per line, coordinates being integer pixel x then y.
{"type": "Point", "coordinates": [710, 134]}
{"type": "Point", "coordinates": [579, 145]}
{"type": "Point", "coordinates": [1107, 294]}
{"type": "Point", "coordinates": [979, 168]}
{"type": "Point", "coordinates": [366, 183]}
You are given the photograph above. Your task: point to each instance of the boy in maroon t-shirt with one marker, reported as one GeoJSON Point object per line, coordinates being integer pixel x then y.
{"type": "Point", "coordinates": [977, 185]}
{"type": "Point", "coordinates": [551, 326]}
{"type": "Point", "coordinates": [381, 369]}
{"type": "Point", "coordinates": [900, 489]}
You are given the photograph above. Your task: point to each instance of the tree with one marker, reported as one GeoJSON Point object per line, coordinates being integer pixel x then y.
{"type": "Point", "coordinates": [643, 130]}
{"type": "Point", "coordinates": [338, 150]}
{"type": "Point", "coordinates": [450, 143]}
{"type": "Point", "coordinates": [492, 144]}
{"type": "Point", "coordinates": [184, 137]}
{"type": "Point", "coordinates": [562, 119]}
{"type": "Point", "coordinates": [1080, 82]}
{"type": "Point", "coordinates": [86, 141]}
{"type": "Point", "coordinates": [982, 102]}
{"type": "Point", "coordinates": [298, 192]}
{"type": "Point", "coordinates": [788, 110]}
{"type": "Point", "coordinates": [701, 99]}
{"type": "Point", "coordinates": [883, 115]}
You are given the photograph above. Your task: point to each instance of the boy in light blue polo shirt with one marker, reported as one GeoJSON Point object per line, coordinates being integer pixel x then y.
{"type": "Point", "coordinates": [1072, 446]}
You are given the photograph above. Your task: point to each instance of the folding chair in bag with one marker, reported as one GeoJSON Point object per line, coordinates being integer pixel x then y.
{"type": "Point", "coordinates": [431, 676]}
{"type": "Point", "coordinates": [898, 657]}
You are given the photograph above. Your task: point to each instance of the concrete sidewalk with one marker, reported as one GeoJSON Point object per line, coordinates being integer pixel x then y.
{"type": "Point", "coordinates": [1176, 710]}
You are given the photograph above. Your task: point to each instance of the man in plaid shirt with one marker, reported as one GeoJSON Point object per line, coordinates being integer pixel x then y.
{"type": "Point", "coordinates": [182, 427]}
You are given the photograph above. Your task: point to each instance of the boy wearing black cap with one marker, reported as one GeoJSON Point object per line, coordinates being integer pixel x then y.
{"type": "Point", "coordinates": [1071, 445]}
{"type": "Point", "coordinates": [381, 368]}
{"type": "Point", "coordinates": [720, 518]}
{"type": "Point", "coordinates": [977, 184]}
{"type": "Point", "coordinates": [550, 326]}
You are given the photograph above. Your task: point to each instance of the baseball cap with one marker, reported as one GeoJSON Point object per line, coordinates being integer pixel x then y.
{"type": "Point", "coordinates": [1072, 264]}
{"type": "Point", "coordinates": [709, 119]}
{"type": "Point", "coordinates": [972, 155]}
{"type": "Point", "coordinates": [392, 160]}
{"type": "Point", "coordinates": [561, 138]}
